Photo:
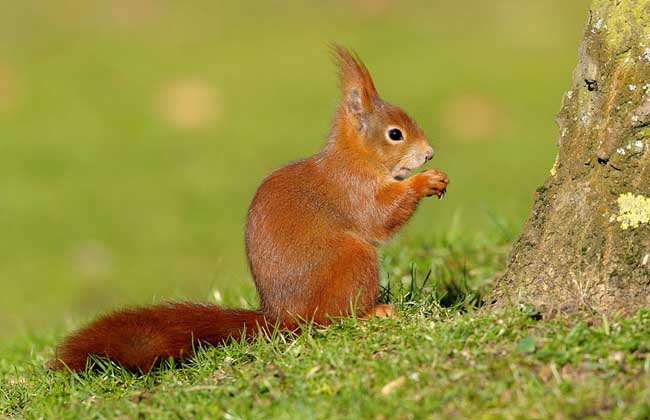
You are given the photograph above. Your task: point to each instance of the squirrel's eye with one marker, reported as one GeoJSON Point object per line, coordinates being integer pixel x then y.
{"type": "Point", "coordinates": [395, 134]}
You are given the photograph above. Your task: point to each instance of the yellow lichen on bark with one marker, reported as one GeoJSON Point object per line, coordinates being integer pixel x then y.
{"type": "Point", "coordinates": [634, 210]}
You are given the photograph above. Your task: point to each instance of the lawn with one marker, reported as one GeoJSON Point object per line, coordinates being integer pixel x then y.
{"type": "Point", "coordinates": [449, 360]}
{"type": "Point", "coordinates": [133, 135]}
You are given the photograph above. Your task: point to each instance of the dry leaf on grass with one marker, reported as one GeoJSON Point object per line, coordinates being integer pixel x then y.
{"type": "Point", "coordinates": [393, 385]}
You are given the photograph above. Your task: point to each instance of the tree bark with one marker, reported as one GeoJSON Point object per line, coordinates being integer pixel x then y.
{"type": "Point", "coordinates": [586, 243]}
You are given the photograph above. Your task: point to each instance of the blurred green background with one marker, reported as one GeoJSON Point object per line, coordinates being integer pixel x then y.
{"type": "Point", "coordinates": [133, 133]}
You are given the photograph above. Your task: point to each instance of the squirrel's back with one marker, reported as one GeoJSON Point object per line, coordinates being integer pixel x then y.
{"type": "Point", "coordinates": [294, 221]}
{"type": "Point", "coordinates": [297, 202]}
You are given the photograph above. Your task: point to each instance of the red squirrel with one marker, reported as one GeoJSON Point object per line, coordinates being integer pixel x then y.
{"type": "Point", "coordinates": [311, 234]}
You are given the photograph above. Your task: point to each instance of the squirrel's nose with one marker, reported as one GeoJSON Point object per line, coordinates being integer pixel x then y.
{"type": "Point", "coordinates": [429, 154]}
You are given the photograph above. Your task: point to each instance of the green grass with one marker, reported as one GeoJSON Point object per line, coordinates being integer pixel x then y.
{"type": "Point", "coordinates": [435, 361]}
{"type": "Point", "coordinates": [441, 364]}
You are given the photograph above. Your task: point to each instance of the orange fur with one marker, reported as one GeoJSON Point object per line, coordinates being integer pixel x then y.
{"type": "Point", "coordinates": [140, 338]}
{"type": "Point", "coordinates": [311, 234]}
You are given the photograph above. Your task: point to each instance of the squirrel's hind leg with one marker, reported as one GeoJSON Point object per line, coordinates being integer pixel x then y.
{"type": "Point", "coordinates": [382, 311]}
{"type": "Point", "coordinates": [345, 284]}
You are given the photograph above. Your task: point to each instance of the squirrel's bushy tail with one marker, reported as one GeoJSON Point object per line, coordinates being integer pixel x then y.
{"type": "Point", "coordinates": [138, 339]}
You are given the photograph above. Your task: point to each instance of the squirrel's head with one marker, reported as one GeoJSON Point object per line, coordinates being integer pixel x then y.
{"type": "Point", "coordinates": [381, 131]}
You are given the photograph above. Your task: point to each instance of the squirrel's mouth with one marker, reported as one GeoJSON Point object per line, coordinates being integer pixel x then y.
{"type": "Point", "coordinates": [403, 169]}
{"type": "Point", "coordinates": [401, 173]}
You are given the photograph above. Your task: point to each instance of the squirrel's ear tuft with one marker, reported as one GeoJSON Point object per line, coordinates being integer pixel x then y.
{"type": "Point", "coordinates": [357, 86]}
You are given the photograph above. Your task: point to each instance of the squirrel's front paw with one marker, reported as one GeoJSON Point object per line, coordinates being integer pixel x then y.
{"type": "Point", "coordinates": [431, 182]}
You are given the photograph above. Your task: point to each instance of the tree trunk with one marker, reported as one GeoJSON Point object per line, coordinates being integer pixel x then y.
{"type": "Point", "coordinates": [586, 243]}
